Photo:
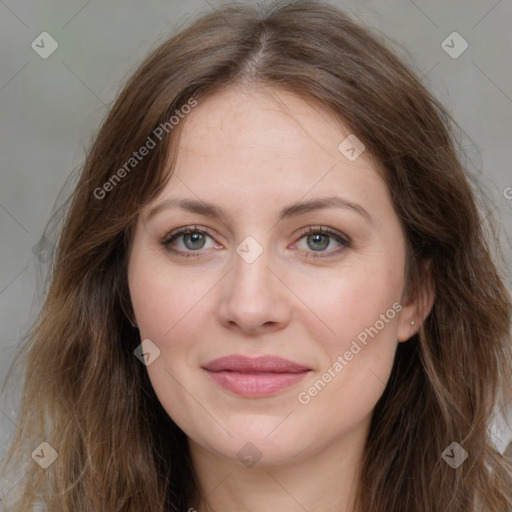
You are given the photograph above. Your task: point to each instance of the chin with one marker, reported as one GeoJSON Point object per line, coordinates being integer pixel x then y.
{"type": "Point", "coordinates": [260, 446]}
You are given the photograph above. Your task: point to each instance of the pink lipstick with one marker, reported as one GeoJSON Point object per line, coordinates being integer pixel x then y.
{"type": "Point", "coordinates": [255, 377]}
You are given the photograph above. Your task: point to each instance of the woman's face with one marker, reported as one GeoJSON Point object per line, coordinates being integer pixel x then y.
{"type": "Point", "coordinates": [248, 280]}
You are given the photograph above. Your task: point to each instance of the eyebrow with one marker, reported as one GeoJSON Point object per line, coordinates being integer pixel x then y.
{"type": "Point", "coordinates": [294, 210]}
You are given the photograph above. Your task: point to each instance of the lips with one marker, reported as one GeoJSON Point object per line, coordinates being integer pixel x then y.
{"type": "Point", "coordinates": [255, 377]}
{"type": "Point", "coordinates": [245, 364]}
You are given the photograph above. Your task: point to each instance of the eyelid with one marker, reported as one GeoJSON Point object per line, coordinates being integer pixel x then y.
{"type": "Point", "coordinates": [184, 230]}
{"type": "Point", "coordinates": [327, 230]}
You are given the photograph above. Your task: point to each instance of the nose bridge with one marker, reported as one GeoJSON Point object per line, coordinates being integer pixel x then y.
{"type": "Point", "coordinates": [252, 276]}
{"type": "Point", "coordinates": [252, 269]}
{"type": "Point", "coordinates": [254, 296]}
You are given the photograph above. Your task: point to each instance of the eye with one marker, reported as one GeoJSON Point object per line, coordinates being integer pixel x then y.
{"type": "Point", "coordinates": [192, 239]}
{"type": "Point", "coordinates": [188, 240]}
{"type": "Point", "coordinates": [320, 238]}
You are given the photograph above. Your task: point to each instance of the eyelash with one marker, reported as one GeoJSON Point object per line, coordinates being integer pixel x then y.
{"type": "Point", "coordinates": [170, 237]}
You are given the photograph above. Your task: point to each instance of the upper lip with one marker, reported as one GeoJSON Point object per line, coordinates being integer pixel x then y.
{"type": "Point", "coordinates": [239, 363]}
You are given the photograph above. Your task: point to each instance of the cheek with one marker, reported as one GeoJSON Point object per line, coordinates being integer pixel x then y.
{"type": "Point", "coordinates": [168, 309]}
{"type": "Point", "coordinates": [355, 302]}
{"type": "Point", "coordinates": [361, 311]}
{"type": "Point", "coordinates": [163, 299]}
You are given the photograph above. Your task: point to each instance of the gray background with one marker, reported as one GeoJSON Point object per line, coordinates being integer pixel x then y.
{"type": "Point", "coordinates": [50, 109]}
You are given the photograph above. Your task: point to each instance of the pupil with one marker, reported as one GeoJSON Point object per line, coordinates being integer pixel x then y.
{"type": "Point", "coordinates": [319, 238]}
{"type": "Point", "coordinates": [195, 237]}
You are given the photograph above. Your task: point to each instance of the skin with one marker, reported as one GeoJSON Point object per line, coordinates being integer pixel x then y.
{"type": "Point", "coordinates": [252, 155]}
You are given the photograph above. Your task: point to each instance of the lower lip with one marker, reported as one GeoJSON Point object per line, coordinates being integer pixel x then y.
{"type": "Point", "coordinates": [256, 384]}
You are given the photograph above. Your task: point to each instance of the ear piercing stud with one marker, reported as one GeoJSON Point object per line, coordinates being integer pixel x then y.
{"type": "Point", "coordinates": [412, 323]}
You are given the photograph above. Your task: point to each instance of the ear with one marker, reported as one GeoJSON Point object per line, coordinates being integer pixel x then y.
{"type": "Point", "coordinates": [416, 307]}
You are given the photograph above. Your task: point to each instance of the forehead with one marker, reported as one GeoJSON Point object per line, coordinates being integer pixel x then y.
{"type": "Point", "coordinates": [274, 120]}
{"type": "Point", "coordinates": [261, 146]}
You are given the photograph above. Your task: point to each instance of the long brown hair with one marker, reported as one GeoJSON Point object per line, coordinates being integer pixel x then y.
{"type": "Point", "coordinates": [90, 398]}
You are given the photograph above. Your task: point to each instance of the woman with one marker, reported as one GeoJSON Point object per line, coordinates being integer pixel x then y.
{"type": "Point", "coordinates": [272, 290]}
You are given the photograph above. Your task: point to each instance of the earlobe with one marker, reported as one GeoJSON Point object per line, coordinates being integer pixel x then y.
{"type": "Point", "coordinates": [416, 310]}
{"type": "Point", "coordinates": [129, 315]}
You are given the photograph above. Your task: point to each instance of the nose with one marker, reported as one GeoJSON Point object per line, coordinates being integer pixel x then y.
{"type": "Point", "coordinates": [255, 298]}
